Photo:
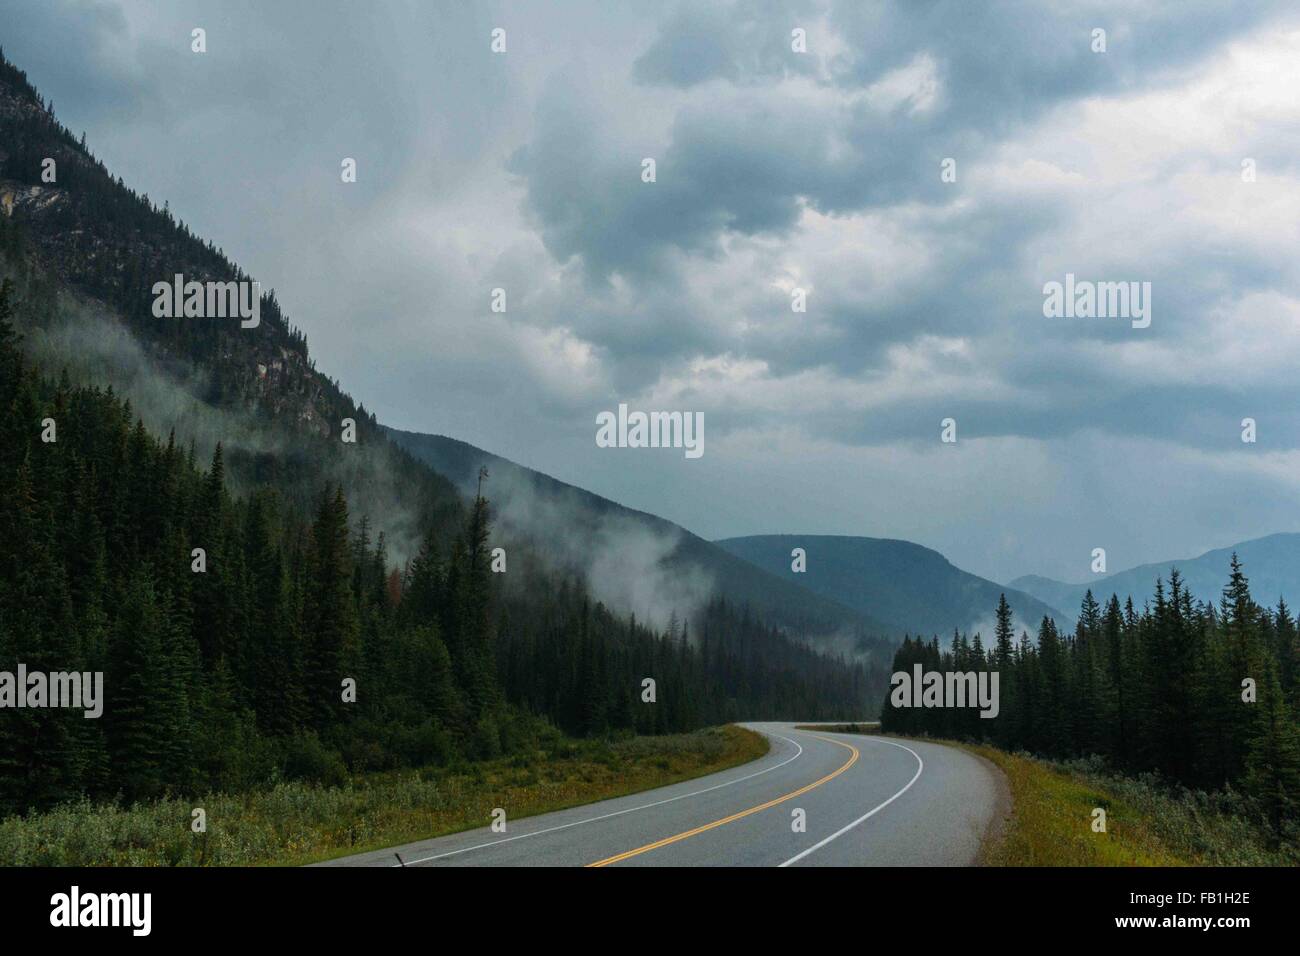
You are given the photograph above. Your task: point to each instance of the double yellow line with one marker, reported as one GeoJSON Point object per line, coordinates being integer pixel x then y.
{"type": "Point", "coordinates": [743, 813]}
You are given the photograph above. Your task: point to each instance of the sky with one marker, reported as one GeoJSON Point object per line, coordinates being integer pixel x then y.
{"type": "Point", "coordinates": [1171, 157]}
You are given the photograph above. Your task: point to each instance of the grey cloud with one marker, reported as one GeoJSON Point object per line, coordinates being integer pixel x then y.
{"type": "Point", "coordinates": [738, 42]}
{"type": "Point", "coordinates": [529, 164]}
{"type": "Point", "coordinates": [743, 164]}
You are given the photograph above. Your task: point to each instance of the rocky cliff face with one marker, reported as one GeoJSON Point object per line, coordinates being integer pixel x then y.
{"type": "Point", "coordinates": [29, 202]}
{"type": "Point", "coordinates": [86, 251]}
{"type": "Point", "coordinates": [97, 238]}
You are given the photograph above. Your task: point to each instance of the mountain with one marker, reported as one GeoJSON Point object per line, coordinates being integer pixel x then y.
{"type": "Point", "coordinates": [229, 604]}
{"type": "Point", "coordinates": [84, 252]}
{"type": "Point", "coordinates": [910, 587]}
{"type": "Point", "coordinates": [1055, 593]}
{"type": "Point", "coordinates": [650, 554]}
{"type": "Point", "coordinates": [1272, 564]}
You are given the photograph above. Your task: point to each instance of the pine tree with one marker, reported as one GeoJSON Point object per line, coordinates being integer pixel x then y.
{"type": "Point", "coordinates": [427, 674]}
{"type": "Point", "coordinates": [1119, 667]}
{"type": "Point", "coordinates": [1003, 661]}
{"type": "Point", "coordinates": [208, 591]}
{"type": "Point", "coordinates": [1086, 677]}
{"type": "Point", "coordinates": [473, 652]}
{"type": "Point", "coordinates": [1055, 722]}
{"type": "Point", "coordinates": [1287, 653]}
{"type": "Point", "coordinates": [1273, 756]}
{"type": "Point", "coordinates": [329, 611]}
{"type": "Point", "coordinates": [137, 718]}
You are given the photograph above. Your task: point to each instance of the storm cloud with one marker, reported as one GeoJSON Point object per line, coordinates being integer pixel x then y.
{"type": "Point", "coordinates": [775, 170]}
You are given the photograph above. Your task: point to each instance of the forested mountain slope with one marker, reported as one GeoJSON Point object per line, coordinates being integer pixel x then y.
{"type": "Point", "coordinates": [537, 504]}
{"type": "Point", "coordinates": [266, 600]}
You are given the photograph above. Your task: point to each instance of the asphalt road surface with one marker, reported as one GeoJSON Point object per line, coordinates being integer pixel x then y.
{"type": "Point", "coordinates": [865, 801]}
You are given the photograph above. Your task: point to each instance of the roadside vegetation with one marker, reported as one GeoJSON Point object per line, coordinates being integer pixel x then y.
{"type": "Point", "coordinates": [1203, 696]}
{"type": "Point", "coordinates": [298, 822]}
{"type": "Point", "coordinates": [1147, 823]}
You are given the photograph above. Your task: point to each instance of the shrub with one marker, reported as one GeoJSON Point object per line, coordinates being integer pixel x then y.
{"type": "Point", "coordinates": [307, 759]}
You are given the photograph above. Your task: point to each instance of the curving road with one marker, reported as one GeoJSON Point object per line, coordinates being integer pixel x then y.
{"type": "Point", "coordinates": [866, 801]}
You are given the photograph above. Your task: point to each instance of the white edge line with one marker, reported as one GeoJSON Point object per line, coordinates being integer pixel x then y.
{"type": "Point", "coordinates": [616, 813]}
{"type": "Point", "coordinates": [920, 765]}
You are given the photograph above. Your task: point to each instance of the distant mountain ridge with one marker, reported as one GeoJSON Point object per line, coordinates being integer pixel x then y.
{"type": "Point", "coordinates": [911, 587]}
{"type": "Point", "coordinates": [1272, 564]}
{"type": "Point", "coordinates": [529, 499]}
{"type": "Point", "coordinates": [888, 587]}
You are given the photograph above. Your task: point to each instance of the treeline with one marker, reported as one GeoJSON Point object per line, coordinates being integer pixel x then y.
{"type": "Point", "coordinates": [226, 669]}
{"type": "Point", "coordinates": [585, 667]}
{"type": "Point", "coordinates": [1203, 696]}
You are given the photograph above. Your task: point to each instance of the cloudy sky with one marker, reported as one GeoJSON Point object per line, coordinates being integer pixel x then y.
{"type": "Point", "coordinates": [775, 170]}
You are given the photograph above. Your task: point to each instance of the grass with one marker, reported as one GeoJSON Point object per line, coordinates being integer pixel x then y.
{"type": "Point", "coordinates": [298, 823]}
{"type": "Point", "coordinates": [1147, 824]}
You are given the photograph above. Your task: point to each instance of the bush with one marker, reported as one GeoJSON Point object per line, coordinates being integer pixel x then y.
{"type": "Point", "coordinates": [307, 759]}
{"type": "Point", "coordinates": [486, 742]}
{"type": "Point", "coordinates": [518, 733]}
{"type": "Point", "coordinates": [240, 759]}
{"type": "Point", "coordinates": [297, 821]}
{"type": "Point", "coordinates": [426, 744]}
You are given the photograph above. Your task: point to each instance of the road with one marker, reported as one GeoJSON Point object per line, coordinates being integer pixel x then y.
{"type": "Point", "coordinates": [866, 801]}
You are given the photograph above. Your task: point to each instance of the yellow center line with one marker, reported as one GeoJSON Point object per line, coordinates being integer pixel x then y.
{"type": "Point", "coordinates": [742, 814]}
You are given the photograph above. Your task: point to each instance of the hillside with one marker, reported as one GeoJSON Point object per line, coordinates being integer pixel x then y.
{"type": "Point", "coordinates": [229, 604]}
{"type": "Point", "coordinates": [909, 587]}
{"type": "Point", "coordinates": [583, 529]}
{"type": "Point", "coordinates": [1272, 562]}
{"type": "Point", "coordinates": [84, 253]}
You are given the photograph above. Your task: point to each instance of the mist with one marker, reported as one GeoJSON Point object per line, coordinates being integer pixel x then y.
{"type": "Point", "coordinates": [95, 348]}
{"type": "Point", "coordinates": [627, 564]}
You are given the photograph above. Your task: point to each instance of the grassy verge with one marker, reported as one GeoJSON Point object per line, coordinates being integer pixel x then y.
{"type": "Point", "coordinates": [301, 823]}
{"type": "Point", "coordinates": [1146, 824]}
